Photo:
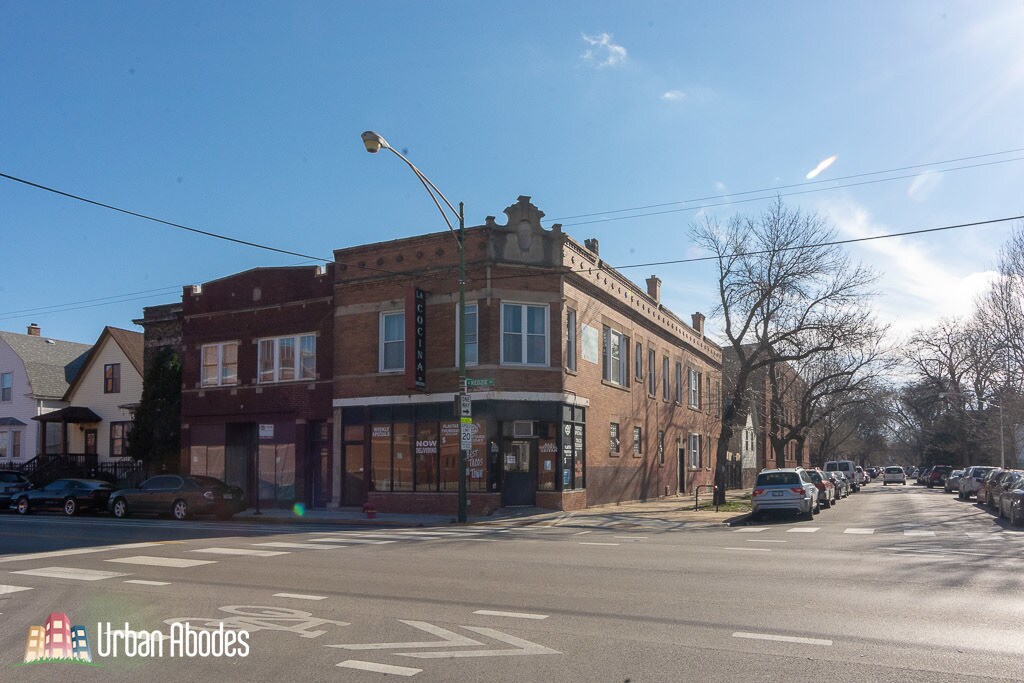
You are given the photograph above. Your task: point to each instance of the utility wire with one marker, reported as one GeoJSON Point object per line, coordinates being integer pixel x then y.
{"type": "Point", "coordinates": [786, 187]}
{"type": "Point", "coordinates": [787, 194]}
{"type": "Point", "coordinates": [698, 259]}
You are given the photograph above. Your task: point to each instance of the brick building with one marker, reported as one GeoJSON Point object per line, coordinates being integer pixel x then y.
{"type": "Point", "coordinates": [590, 391]}
{"type": "Point", "coordinates": [256, 383]}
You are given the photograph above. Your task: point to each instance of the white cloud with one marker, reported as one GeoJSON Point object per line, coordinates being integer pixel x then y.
{"type": "Point", "coordinates": [602, 51]}
{"type": "Point", "coordinates": [923, 185]}
{"type": "Point", "coordinates": [918, 287]}
{"type": "Point", "coordinates": [825, 163]}
{"type": "Point", "coordinates": [673, 95]}
{"type": "Point", "coordinates": [720, 186]}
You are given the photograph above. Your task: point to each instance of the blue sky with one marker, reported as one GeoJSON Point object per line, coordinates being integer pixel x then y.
{"type": "Point", "coordinates": [244, 118]}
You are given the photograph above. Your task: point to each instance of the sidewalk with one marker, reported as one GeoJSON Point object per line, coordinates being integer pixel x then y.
{"type": "Point", "coordinates": [673, 512]}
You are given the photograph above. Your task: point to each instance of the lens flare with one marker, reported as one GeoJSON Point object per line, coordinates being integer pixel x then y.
{"type": "Point", "coordinates": [821, 167]}
{"type": "Point", "coordinates": [299, 509]}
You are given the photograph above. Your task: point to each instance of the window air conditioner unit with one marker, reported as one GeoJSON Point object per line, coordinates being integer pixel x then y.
{"type": "Point", "coordinates": [522, 428]}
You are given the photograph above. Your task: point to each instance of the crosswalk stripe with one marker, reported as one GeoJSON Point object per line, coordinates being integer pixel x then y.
{"type": "Point", "coordinates": [7, 590]}
{"type": "Point", "coordinates": [917, 532]}
{"type": "Point", "coordinates": [151, 561]}
{"type": "Point", "coordinates": [301, 546]}
{"type": "Point", "coordinates": [76, 551]}
{"type": "Point", "coordinates": [240, 551]}
{"type": "Point", "coordinates": [436, 533]}
{"type": "Point", "coordinates": [855, 530]}
{"type": "Point", "coordinates": [300, 596]}
{"type": "Point", "coordinates": [71, 573]}
{"type": "Point", "coordinates": [148, 583]}
{"type": "Point", "coordinates": [365, 541]}
{"type": "Point", "coordinates": [803, 530]}
{"type": "Point", "coordinates": [749, 529]}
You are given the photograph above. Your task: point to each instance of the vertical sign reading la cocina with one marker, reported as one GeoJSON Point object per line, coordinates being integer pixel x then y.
{"type": "Point", "coordinates": [416, 339]}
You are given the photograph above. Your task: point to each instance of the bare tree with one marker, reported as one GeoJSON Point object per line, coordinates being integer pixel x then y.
{"type": "Point", "coordinates": [784, 294]}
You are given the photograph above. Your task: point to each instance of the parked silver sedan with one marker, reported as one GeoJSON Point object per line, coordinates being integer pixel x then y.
{"type": "Point", "coordinates": [953, 481]}
{"type": "Point", "coordinates": [1011, 498]}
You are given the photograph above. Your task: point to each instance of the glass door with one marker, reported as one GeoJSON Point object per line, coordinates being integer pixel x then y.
{"type": "Point", "coordinates": [517, 486]}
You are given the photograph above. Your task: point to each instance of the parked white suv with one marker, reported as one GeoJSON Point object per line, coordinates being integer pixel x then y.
{"type": "Point", "coordinates": [970, 480]}
{"type": "Point", "coordinates": [789, 489]}
{"type": "Point", "coordinates": [847, 467]}
{"type": "Point", "coordinates": [894, 475]}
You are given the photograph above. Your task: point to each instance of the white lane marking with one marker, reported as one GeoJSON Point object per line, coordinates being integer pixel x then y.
{"type": "Point", "coordinates": [489, 540]}
{"type": "Point", "coordinates": [784, 639]}
{"type": "Point", "coordinates": [76, 551]}
{"type": "Point", "coordinates": [148, 583]}
{"type": "Point", "coordinates": [632, 538]}
{"type": "Point", "coordinates": [763, 540]}
{"type": "Point", "coordinates": [364, 541]}
{"type": "Point", "coordinates": [516, 615]}
{"type": "Point", "coordinates": [984, 535]}
{"type": "Point", "coordinates": [859, 531]}
{"type": "Point", "coordinates": [763, 550]}
{"type": "Point", "coordinates": [71, 573]}
{"type": "Point", "coordinates": [7, 590]}
{"type": "Point", "coordinates": [348, 536]}
{"type": "Point", "coordinates": [448, 639]}
{"type": "Point", "coordinates": [580, 533]}
{"type": "Point", "coordinates": [595, 543]}
{"type": "Point", "coordinates": [803, 530]}
{"type": "Point", "coordinates": [435, 533]}
{"type": "Point", "coordinates": [300, 596]}
{"type": "Point", "coordinates": [917, 532]}
{"type": "Point", "coordinates": [379, 668]}
{"type": "Point", "coordinates": [240, 551]}
{"type": "Point", "coordinates": [524, 647]}
{"type": "Point", "coordinates": [151, 561]}
{"type": "Point", "coordinates": [749, 529]}
{"type": "Point", "coordinates": [301, 546]}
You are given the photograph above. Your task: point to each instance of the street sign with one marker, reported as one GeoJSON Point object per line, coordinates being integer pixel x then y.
{"type": "Point", "coordinates": [466, 435]}
{"type": "Point", "coordinates": [482, 382]}
{"type": "Point", "coordinates": [464, 405]}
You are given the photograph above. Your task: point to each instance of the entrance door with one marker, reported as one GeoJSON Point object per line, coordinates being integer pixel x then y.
{"type": "Point", "coordinates": [354, 487]}
{"type": "Point", "coordinates": [239, 458]}
{"type": "Point", "coordinates": [517, 486]}
{"type": "Point", "coordinates": [90, 442]}
{"type": "Point", "coordinates": [682, 469]}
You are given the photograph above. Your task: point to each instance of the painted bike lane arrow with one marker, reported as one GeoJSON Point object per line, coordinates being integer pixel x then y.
{"type": "Point", "coordinates": [449, 639]}
{"type": "Point", "coordinates": [524, 647]}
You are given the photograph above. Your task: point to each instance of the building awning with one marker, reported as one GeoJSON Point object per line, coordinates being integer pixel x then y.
{"type": "Point", "coordinates": [11, 422]}
{"type": "Point", "coordinates": [70, 414]}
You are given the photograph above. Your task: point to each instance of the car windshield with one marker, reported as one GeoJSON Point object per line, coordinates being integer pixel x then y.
{"type": "Point", "coordinates": [10, 478]}
{"type": "Point", "coordinates": [778, 479]}
{"type": "Point", "coordinates": [205, 481]}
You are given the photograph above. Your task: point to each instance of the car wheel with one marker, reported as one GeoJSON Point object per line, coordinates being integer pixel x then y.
{"type": "Point", "coordinates": [120, 508]}
{"type": "Point", "coordinates": [179, 510]}
{"type": "Point", "coordinates": [70, 507]}
{"type": "Point", "coordinates": [22, 506]}
{"type": "Point", "coordinates": [1014, 518]}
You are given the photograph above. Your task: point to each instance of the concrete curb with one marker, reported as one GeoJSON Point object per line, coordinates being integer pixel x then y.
{"type": "Point", "coordinates": [741, 519]}
{"type": "Point", "coordinates": [320, 520]}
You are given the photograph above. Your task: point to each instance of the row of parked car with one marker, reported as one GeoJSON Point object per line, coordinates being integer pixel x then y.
{"type": "Point", "coordinates": [806, 491]}
{"type": "Point", "coordinates": [179, 496]}
{"type": "Point", "coordinates": [995, 488]}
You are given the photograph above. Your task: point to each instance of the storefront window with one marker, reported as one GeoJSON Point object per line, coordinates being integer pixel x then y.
{"type": "Point", "coordinates": [403, 449]}
{"type": "Point", "coordinates": [476, 475]}
{"type": "Point", "coordinates": [426, 456]}
{"type": "Point", "coordinates": [380, 457]}
{"type": "Point", "coordinates": [449, 456]}
{"type": "Point", "coordinates": [277, 472]}
{"type": "Point", "coordinates": [547, 464]}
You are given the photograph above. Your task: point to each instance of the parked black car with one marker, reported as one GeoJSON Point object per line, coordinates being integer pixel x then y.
{"type": "Point", "coordinates": [68, 495]}
{"type": "Point", "coordinates": [181, 496]}
{"type": "Point", "coordinates": [12, 482]}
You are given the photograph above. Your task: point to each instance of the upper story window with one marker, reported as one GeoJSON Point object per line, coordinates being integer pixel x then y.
{"type": "Point", "coordinates": [664, 378]}
{"type": "Point", "coordinates": [7, 386]}
{"type": "Point", "coordinates": [638, 363]}
{"type": "Point", "coordinates": [615, 363]}
{"type": "Point", "coordinates": [524, 334]}
{"type": "Point", "coordinates": [472, 334]}
{"type": "Point", "coordinates": [392, 341]}
{"type": "Point", "coordinates": [651, 379]}
{"type": "Point", "coordinates": [679, 383]}
{"type": "Point", "coordinates": [570, 339]}
{"type": "Point", "coordinates": [285, 359]}
{"type": "Point", "coordinates": [694, 389]}
{"type": "Point", "coordinates": [112, 378]}
{"type": "Point", "coordinates": [220, 364]}
{"type": "Point", "coordinates": [694, 451]}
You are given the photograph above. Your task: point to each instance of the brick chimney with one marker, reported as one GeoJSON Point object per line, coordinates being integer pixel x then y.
{"type": "Point", "coordinates": [654, 287]}
{"type": "Point", "coordinates": [698, 323]}
{"type": "Point", "coordinates": [33, 330]}
{"type": "Point", "coordinates": [592, 245]}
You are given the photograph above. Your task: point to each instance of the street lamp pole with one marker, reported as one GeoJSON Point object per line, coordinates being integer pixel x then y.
{"type": "Point", "coordinates": [374, 143]}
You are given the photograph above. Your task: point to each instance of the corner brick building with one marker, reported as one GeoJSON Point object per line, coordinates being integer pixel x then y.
{"type": "Point", "coordinates": [586, 390]}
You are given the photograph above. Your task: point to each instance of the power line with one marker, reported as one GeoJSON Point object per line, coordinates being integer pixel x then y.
{"type": "Point", "coordinates": [789, 194]}
{"type": "Point", "coordinates": [698, 259]}
{"type": "Point", "coordinates": [786, 187]}
{"type": "Point", "coordinates": [44, 309]}
{"type": "Point", "coordinates": [179, 226]}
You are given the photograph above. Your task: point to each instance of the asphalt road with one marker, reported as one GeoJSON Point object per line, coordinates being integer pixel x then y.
{"type": "Point", "coordinates": [894, 584]}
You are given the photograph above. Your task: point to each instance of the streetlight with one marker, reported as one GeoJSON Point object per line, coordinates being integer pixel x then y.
{"type": "Point", "coordinates": [374, 143]}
